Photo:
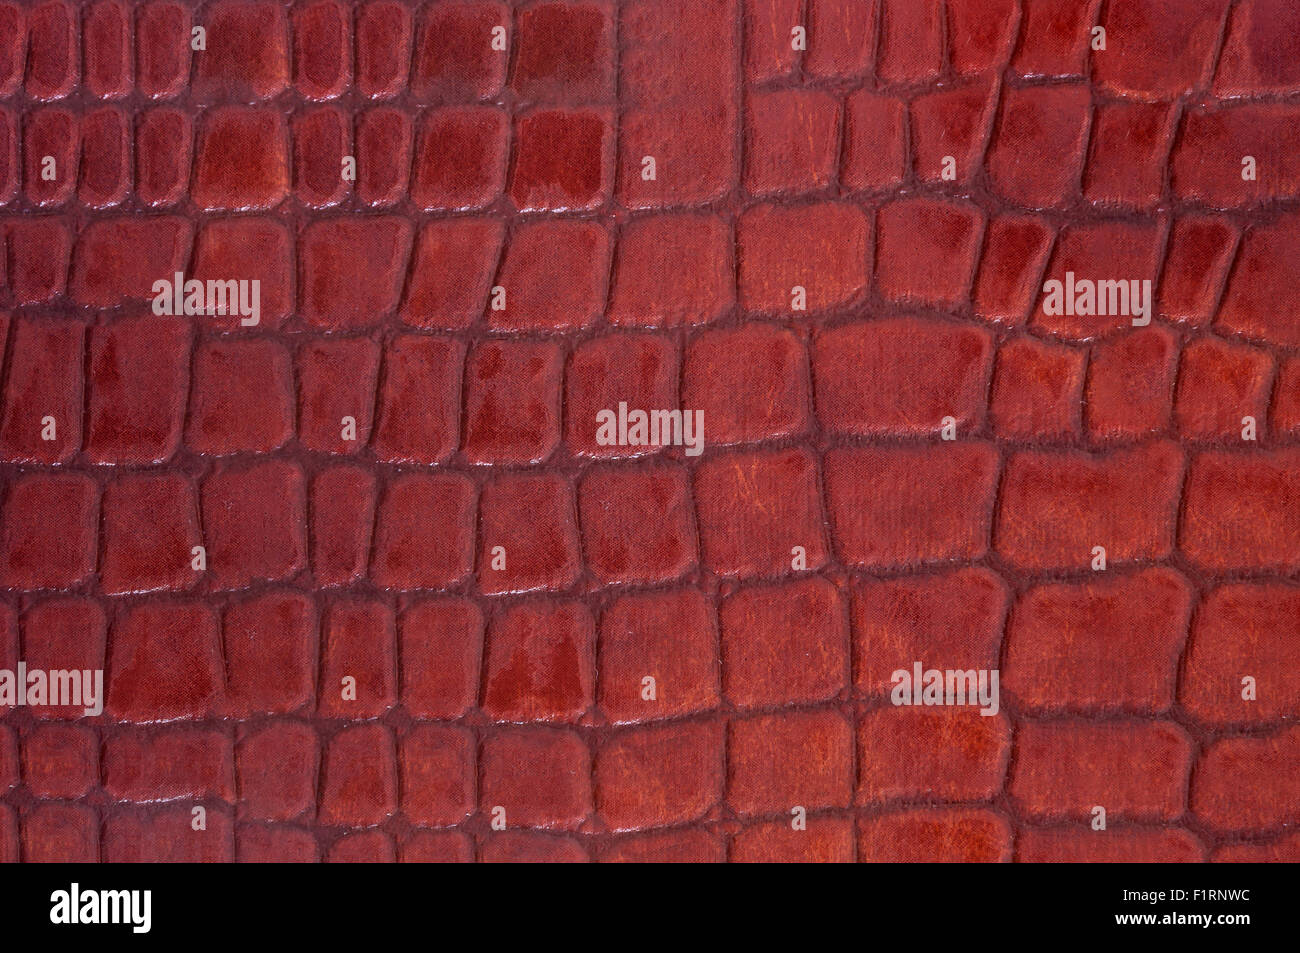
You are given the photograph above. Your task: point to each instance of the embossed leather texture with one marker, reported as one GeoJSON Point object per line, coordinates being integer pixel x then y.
{"type": "Point", "coordinates": [827, 226]}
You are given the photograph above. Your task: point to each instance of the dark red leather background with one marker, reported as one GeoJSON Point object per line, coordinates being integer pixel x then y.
{"type": "Point", "coordinates": [775, 167]}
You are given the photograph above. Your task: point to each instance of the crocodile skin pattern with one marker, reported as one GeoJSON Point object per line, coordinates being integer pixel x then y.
{"type": "Point", "coordinates": [824, 224]}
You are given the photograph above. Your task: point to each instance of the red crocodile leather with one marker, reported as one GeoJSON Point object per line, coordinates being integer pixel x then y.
{"type": "Point", "coordinates": [503, 267]}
